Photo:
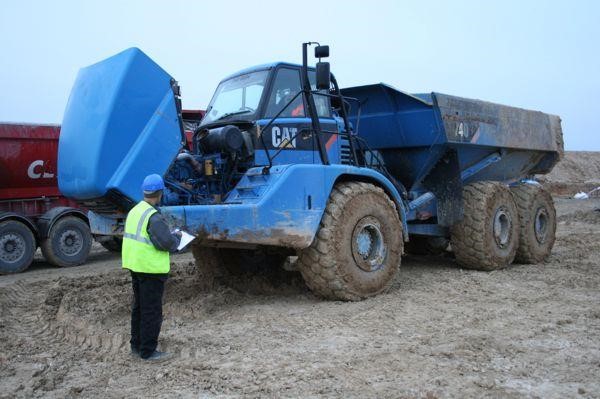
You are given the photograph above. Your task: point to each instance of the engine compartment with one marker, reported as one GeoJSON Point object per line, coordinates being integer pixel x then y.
{"type": "Point", "coordinates": [209, 167]}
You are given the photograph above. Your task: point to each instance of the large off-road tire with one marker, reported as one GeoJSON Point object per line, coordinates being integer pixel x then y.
{"type": "Point", "coordinates": [356, 252]}
{"type": "Point", "coordinates": [69, 242]}
{"type": "Point", "coordinates": [17, 247]}
{"type": "Point", "coordinates": [422, 245]}
{"type": "Point", "coordinates": [488, 236]}
{"type": "Point", "coordinates": [537, 223]}
{"type": "Point", "coordinates": [113, 244]}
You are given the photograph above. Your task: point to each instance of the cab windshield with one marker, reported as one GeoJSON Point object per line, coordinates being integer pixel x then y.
{"type": "Point", "coordinates": [236, 98]}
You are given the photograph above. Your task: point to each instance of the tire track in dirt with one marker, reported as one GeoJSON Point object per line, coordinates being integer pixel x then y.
{"type": "Point", "coordinates": [32, 315]}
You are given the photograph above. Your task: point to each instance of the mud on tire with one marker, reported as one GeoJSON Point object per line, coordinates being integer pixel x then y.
{"type": "Point", "coordinates": [537, 223]}
{"type": "Point", "coordinates": [488, 236]}
{"type": "Point", "coordinates": [356, 252]}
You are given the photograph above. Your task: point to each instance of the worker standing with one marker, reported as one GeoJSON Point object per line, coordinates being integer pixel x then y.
{"type": "Point", "coordinates": [146, 245]}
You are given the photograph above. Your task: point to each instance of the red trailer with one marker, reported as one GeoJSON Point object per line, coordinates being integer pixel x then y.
{"type": "Point", "coordinates": [32, 211]}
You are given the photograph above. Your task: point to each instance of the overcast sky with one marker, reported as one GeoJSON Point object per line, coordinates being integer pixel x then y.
{"type": "Point", "coordinates": [542, 55]}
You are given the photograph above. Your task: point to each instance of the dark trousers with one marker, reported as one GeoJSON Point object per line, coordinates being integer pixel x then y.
{"type": "Point", "coordinates": [146, 311]}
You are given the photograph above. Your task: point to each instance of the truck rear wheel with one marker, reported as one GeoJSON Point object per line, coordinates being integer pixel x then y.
{"type": "Point", "coordinates": [17, 247]}
{"type": "Point", "coordinates": [69, 242]}
{"type": "Point", "coordinates": [488, 236]}
{"type": "Point", "coordinates": [537, 223]}
{"type": "Point", "coordinates": [356, 253]}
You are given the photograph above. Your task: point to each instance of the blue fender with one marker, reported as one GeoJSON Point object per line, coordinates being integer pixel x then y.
{"type": "Point", "coordinates": [282, 208]}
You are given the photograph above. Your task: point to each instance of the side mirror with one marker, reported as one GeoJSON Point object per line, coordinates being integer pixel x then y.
{"type": "Point", "coordinates": [323, 75]}
{"type": "Point", "coordinates": [321, 51]}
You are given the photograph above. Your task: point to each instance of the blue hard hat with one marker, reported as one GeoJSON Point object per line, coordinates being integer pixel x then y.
{"type": "Point", "coordinates": [153, 183]}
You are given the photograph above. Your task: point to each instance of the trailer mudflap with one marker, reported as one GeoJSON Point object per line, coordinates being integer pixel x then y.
{"type": "Point", "coordinates": [444, 181]}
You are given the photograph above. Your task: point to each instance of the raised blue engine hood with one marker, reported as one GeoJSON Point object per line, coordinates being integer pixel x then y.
{"type": "Point", "coordinates": [121, 124]}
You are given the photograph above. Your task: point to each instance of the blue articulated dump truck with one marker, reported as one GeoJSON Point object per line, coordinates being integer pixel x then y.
{"type": "Point", "coordinates": [287, 163]}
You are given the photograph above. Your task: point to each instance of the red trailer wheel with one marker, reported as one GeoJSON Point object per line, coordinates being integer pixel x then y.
{"type": "Point", "coordinates": [69, 242]}
{"type": "Point", "coordinates": [17, 246]}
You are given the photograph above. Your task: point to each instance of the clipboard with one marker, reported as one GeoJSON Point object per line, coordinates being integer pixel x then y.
{"type": "Point", "coordinates": [186, 238]}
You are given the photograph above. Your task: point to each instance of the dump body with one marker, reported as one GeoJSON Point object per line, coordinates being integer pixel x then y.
{"type": "Point", "coordinates": [413, 132]}
{"type": "Point", "coordinates": [437, 143]}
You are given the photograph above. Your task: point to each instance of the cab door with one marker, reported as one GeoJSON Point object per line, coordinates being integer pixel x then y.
{"type": "Point", "coordinates": [290, 138]}
{"type": "Point", "coordinates": [329, 125]}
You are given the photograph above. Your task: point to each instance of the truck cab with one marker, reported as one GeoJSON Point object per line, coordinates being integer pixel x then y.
{"type": "Point", "coordinates": [257, 95]}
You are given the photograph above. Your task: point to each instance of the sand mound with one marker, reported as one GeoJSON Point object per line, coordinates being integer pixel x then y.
{"type": "Point", "coordinates": [577, 171]}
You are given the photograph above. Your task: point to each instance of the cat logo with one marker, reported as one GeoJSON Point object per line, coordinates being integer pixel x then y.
{"type": "Point", "coordinates": [284, 137]}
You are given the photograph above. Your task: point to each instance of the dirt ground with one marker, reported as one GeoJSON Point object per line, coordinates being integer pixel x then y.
{"type": "Point", "coordinates": [526, 331]}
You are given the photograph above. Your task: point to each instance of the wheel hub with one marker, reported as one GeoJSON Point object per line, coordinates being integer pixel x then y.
{"type": "Point", "coordinates": [70, 242]}
{"type": "Point", "coordinates": [368, 244]}
{"type": "Point", "coordinates": [502, 227]}
{"type": "Point", "coordinates": [12, 248]}
{"type": "Point", "coordinates": [541, 225]}
{"type": "Point", "coordinates": [364, 243]}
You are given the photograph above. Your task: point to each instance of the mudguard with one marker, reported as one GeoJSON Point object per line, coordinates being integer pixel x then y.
{"type": "Point", "coordinates": [15, 216]}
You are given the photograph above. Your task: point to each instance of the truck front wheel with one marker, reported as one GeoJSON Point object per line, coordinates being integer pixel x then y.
{"type": "Point", "coordinates": [17, 246]}
{"type": "Point", "coordinates": [488, 236]}
{"type": "Point", "coordinates": [356, 253]}
{"type": "Point", "coordinates": [537, 223]}
{"type": "Point", "coordinates": [69, 242]}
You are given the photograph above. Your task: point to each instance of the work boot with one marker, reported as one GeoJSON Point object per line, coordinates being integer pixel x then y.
{"type": "Point", "coordinates": [159, 356]}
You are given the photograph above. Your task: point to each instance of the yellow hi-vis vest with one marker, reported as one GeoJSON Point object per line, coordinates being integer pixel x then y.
{"type": "Point", "coordinates": [138, 253]}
